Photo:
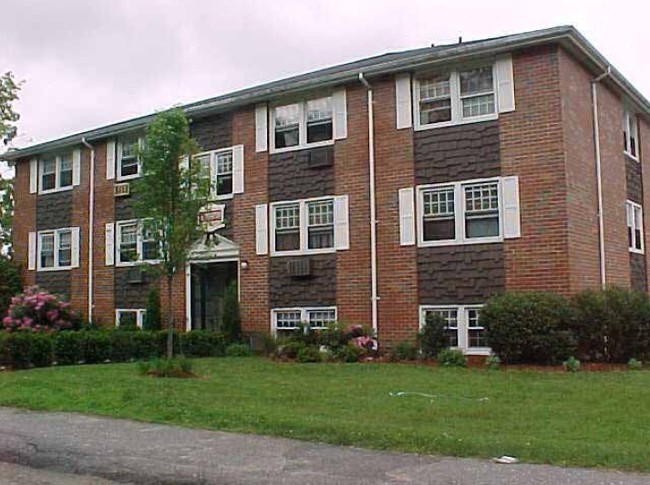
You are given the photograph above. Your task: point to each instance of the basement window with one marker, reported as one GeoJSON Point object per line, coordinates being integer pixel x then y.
{"type": "Point", "coordinates": [130, 318]}
{"type": "Point", "coordinates": [634, 214]}
{"type": "Point", "coordinates": [463, 328]}
{"type": "Point", "coordinates": [288, 320]}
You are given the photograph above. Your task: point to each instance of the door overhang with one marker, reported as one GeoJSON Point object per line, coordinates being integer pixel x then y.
{"type": "Point", "coordinates": [213, 248]}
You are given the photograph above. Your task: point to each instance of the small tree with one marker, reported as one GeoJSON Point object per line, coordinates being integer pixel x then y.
{"type": "Point", "coordinates": [169, 196]}
{"type": "Point", "coordinates": [231, 317]}
{"type": "Point", "coordinates": [152, 318]}
{"type": "Point", "coordinates": [9, 88]}
{"type": "Point", "coordinates": [10, 282]}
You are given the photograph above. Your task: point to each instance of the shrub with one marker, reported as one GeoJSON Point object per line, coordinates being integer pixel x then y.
{"type": "Point", "coordinates": [451, 358]}
{"type": "Point", "coordinates": [531, 328]}
{"type": "Point", "coordinates": [290, 349]}
{"type": "Point", "coordinates": [238, 350]}
{"type": "Point", "coordinates": [152, 319]}
{"type": "Point", "coordinates": [309, 354]}
{"type": "Point", "coordinates": [68, 348]}
{"type": "Point", "coordinates": [39, 311]}
{"type": "Point", "coordinates": [348, 353]}
{"type": "Point", "coordinates": [202, 343]}
{"type": "Point", "coordinates": [179, 367]}
{"type": "Point", "coordinates": [29, 349]}
{"type": "Point", "coordinates": [433, 338]}
{"type": "Point", "coordinates": [10, 283]}
{"type": "Point", "coordinates": [611, 325]}
{"type": "Point", "coordinates": [231, 316]}
{"type": "Point", "coordinates": [634, 364]}
{"type": "Point", "coordinates": [493, 362]}
{"type": "Point", "coordinates": [95, 346]}
{"type": "Point", "coordinates": [571, 364]}
{"type": "Point", "coordinates": [403, 351]}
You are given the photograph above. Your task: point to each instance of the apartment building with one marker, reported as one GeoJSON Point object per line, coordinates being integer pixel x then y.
{"type": "Point", "coordinates": [374, 192]}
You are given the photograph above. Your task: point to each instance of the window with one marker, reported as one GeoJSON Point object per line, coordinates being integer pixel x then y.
{"type": "Point", "coordinates": [130, 318]}
{"type": "Point", "coordinates": [219, 166]}
{"type": "Point", "coordinates": [460, 212]}
{"type": "Point", "coordinates": [303, 124]}
{"type": "Point", "coordinates": [303, 226]}
{"type": "Point", "coordinates": [136, 242]}
{"type": "Point", "coordinates": [56, 172]}
{"type": "Point", "coordinates": [463, 326]}
{"type": "Point", "coordinates": [455, 97]}
{"type": "Point", "coordinates": [634, 226]}
{"type": "Point", "coordinates": [55, 249]}
{"type": "Point", "coordinates": [128, 163]}
{"type": "Point", "coordinates": [630, 135]}
{"type": "Point", "coordinates": [289, 319]}
{"type": "Point", "coordinates": [223, 173]}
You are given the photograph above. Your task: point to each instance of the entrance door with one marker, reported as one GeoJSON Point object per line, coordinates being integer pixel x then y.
{"type": "Point", "coordinates": [209, 283]}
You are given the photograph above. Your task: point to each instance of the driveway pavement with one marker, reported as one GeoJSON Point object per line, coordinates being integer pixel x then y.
{"type": "Point", "coordinates": [131, 452]}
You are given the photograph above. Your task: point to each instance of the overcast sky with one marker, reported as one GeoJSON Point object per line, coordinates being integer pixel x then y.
{"type": "Point", "coordinates": [89, 63]}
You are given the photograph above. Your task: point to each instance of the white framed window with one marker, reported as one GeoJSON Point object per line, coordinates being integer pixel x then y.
{"type": "Point", "coordinates": [455, 97]}
{"type": "Point", "coordinates": [286, 320]}
{"type": "Point", "coordinates": [136, 243]}
{"type": "Point", "coordinates": [56, 173]}
{"type": "Point", "coordinates": [464, 212]}
{"type": "Point", "coordinates": [302, 227]}
{"type": "Point", "coordinates": [225, 169]}
{"type": "Point", "coordinates": [634, 213]}
{"type": "Point", "coordinates": [58, 249]}
{"type": "Point", "coordinates": [463, 326]}
{"type": "Point", "coordinates": [630, 135]}
{"type": "Point", "coordinates": [128, 162]}
{"type": "Point", "coordinates": [303, 124]}
{"type": "Point", "coordinates": [130, 318]}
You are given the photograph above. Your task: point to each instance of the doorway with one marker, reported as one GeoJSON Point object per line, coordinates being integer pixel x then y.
{"type": "Point", "coordinates": [209, 282]}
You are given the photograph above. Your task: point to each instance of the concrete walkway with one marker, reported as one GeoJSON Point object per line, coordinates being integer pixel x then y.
{"type": "Point", "coordinates": [131, 452]}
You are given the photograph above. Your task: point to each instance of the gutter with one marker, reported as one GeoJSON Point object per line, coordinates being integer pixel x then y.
{"type": "Point", "coordinates": [599, 180]}
{"type": "Point", "coordinates": [373, 204]}
{"type": "Point", "coordinates": [91, 223]}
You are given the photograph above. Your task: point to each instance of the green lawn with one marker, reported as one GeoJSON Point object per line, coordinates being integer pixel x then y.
{"type": "Point", "coordinates": [588, 419]}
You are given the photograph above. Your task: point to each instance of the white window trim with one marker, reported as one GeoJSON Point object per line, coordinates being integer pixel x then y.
{"type": "Point", "coordinates": [118, 162]}
{"type": "Point", "coordinates": [302, 126]}
{"type": "Point", "coordinates": [57, 176]}
{"type": "Point", "coordinates": [456, 103]}
{"type": "Point", "coordinates": [462, 325]}
{"type": "Point", "coordinates": [140, 315]}
{"type": "Point", "coordinates": [630, 207]}
{"type": "Point", "coordinates": [118, 241]}
{"type": "Point", "coordinates": [627, 115]}
{"type": "Point", "coordinates": [459, 214]}
{"type": "Point", "coordinates": [57, 242]}
{"type": "Point", "coordinates": [213, 171]}
{"type": "Point", "coordinates": [304, 229]}
{"type": "Point", "coordinates": [304, 315]}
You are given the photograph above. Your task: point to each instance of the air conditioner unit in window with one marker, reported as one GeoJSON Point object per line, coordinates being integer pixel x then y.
{"type": "Point", "coordinates": [320, 157]}
{"type": "Point", "coordinates": [121, 190]}
{"type": "Point", "coordinates": [298, 267]}
{"type": "Point", "coordinates": [135, 276]}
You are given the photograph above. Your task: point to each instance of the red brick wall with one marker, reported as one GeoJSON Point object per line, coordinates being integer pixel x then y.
{"type": "Point", "coordinates": [24, 220]}
{"type": "Point", "coordinates": [582, 197]}
{"type": "Point", "coordinates": [617, 256]}
{"type": "Point", "coordinates": [352, 178]}
{"type": "Point", "coordinates": [254, 280]}
{"type": "Point", "coordinates": [644, 144]}
{"type": "Point", "coordinates": [397, 265]}
{"type": "Point", "coordinates": [178, 300]}
{"type": "Point", "coordinates": [532, 148]}
{"type": "Point", "coordinates": [80, 201]}
{"type": "Point", "coordinates": [103, 282]}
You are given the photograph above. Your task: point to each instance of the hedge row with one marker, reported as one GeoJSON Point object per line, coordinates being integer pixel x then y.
{"type": "Point", "coordinates": [611, 325]}
{"type": "Point", "coordinates": [26, 349]}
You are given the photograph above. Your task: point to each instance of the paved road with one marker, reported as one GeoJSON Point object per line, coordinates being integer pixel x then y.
{"type": "Point", "coordinates": [127, 451]}
{"type": "Point", "coordinates": [21, 475]}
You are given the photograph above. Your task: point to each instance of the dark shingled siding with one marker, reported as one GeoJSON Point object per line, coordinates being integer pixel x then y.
{"type": "Point", "coordinates": [318, 289]}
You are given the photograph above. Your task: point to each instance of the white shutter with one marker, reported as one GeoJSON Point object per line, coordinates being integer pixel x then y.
{"type": "Point", "coordinates": [261, 127]}
{"type": "Point", "coordinates": [339, 104]}
{"type": "Point", "coordinates": [76, 166]}
{"type": "Point", "coordinates": [31, 251]}
{"type": "Point", "coordinates": [406, 217]}
{"type": "Point", "coordinates": [261, 229]}
{"type": "Point", "coordinates": [511, 213]}
{"type": "Point", "coordinates": [75, 247]}
{"type": "Point", "coordinates": [184, 163]}
{"type": "Point", "coordinates": [33, 175]}
{"type": "Point", "coordinates": [505, 84]}
{"type": "Point", "coordinates": [403, 104]}
{"type": "Point", "coordinates": [238, 169]}
{"type": "Point", "coordinates": [110, 159]}
{"type": "Point", "coordinates": [341, 223]}
{"type": "Point", "coordinates": [110, 244]}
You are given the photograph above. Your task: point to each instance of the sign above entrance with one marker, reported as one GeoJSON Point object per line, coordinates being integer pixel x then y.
{"type": "Point", "coordinates": [212, 217]}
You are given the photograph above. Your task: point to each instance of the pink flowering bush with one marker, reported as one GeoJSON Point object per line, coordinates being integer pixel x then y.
{"type": "Point", "coordinates": [38, 311]}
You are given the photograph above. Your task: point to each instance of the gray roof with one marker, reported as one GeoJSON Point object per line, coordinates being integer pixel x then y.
{"type": "Point", "coordinates": [388, 63]}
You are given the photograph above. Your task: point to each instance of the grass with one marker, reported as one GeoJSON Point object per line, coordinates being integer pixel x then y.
{"type": "Point", "coordinates": [588, 419]}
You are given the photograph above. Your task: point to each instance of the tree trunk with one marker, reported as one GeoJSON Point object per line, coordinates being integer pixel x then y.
{"type": "Point", "coordinates": [170, 319]}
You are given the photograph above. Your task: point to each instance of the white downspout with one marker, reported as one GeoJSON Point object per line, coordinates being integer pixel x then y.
{"type": "Point", "coordinates": [91, 222]}
{"type": "Point", "coordinates": [373, 205]}
{"type": "Point", "coordinates": [599, 180]}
